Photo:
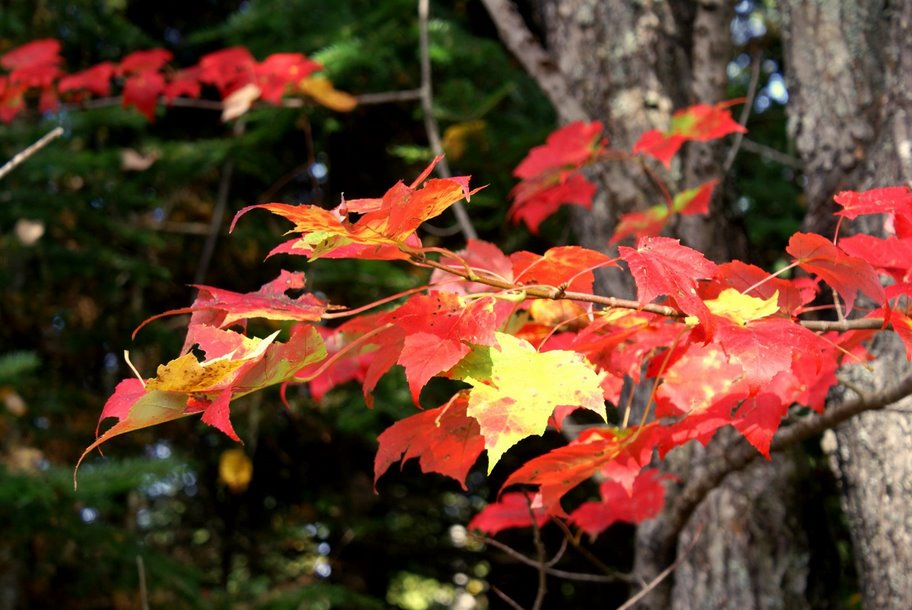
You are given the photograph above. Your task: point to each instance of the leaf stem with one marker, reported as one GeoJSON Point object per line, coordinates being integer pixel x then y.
{"type": "Point", "coordinates": [342, 352]}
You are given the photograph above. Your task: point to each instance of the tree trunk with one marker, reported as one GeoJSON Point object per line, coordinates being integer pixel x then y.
{"type": "Point", "coordinates": [850, 66]}
{"type": "Point", "coordinates": [630, 64]}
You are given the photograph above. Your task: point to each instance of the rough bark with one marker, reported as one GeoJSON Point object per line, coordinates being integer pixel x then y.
{"type": "Point", "coordinates": [850, 67]}
{"type": "Point", "coordinates": [630, 64]}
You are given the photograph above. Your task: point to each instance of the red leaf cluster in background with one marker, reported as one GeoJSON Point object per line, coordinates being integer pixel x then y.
{"type": "Point", "coordinates": [551, 175]}
{"type": "Point", "coordinates": [700, 123]}
{"type": "Point", "coordinates": [34, 70]}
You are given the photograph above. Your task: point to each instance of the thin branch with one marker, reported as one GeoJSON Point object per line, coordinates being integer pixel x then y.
{"type": "Point", "coordinates": [143, 593]}
{"type": "Point", "coordinates": [522, 43]}
{"type": "Point", "coordinates": [745, 113]}
{"type": "Point", "coordinates": [381, 97]}
{"type": "Point", "coordinates": [218, 214]}
{"type": "Point", "coordinates": [540, 555]}
{"type": "Point", "coordinates": [386, 97]}
{"type": "Point", "coordinates": [20, 157]}
{"type": "Point", "coordinates": [578, 576]}
{"type": "Point", "coordinates": [215, 223]}
{"type": "Point", "coordinates": [430, 123]}
{"type": "Point", "coordinates": [557, 294]}
{"type": "Point", "coordinates": [606, 569]}
{"type": "Point", "coordinates": [509, 600]}
{"type": "Point", "coordinates": [662, 575]}
{"type": "Point", "coordinates": [771, 153]}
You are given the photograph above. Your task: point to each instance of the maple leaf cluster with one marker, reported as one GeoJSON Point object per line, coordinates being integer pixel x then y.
{"type": "Point", "coordinates": [720, 345]}
{"type": "Point", "coordinates": [552, 174]}
{"type": "Point", "coordinates": [34, 69]}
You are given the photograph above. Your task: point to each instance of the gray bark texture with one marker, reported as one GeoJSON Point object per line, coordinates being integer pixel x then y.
{"type": "Point", "coordinates": [850, 67]}
{"type": "Point", "coordinates": [631, 64]}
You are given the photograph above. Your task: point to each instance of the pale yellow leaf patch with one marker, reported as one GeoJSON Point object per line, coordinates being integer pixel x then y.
{"type": "Point", "coordinates": [323, 92]}
{"type": "Point", "coordinates": [739, 308]}
{"type": "Point", "coordinates": [187, 374]}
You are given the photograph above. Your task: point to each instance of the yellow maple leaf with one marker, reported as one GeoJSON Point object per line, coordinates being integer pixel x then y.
{"type": "Point", "coordinates": [739, 308]}
{"type": "Point", "coordinates": [323, 92]}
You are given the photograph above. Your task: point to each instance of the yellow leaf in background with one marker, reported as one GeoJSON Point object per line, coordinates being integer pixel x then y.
{"type": "Point", "coordinates": [571, 315]}
{"type": "Point", "coordinates": [457, 136]}
{"type": "Point", "coordinates": [235, 470]}
{"type": "Point", "coordinates": [740, 308]}
{"type": "Point", "coordinates": [323, 92]}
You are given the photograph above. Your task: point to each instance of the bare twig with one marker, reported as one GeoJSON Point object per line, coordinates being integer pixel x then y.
{"type": "Point", "coordinates": [20, 157]}
{"type": "Point", "coordinates": [566, 575]}
{"type": "Point", "coordinates": [556, 293]}
{"type": "Point", "coordinates": [745, 113]}
{"type": "Point", "coordinates": [386, 97]}
{"type": "Point", "coordinates": [522, 43]}
{"type": "Point", "coordinates": [218, 214]}
{"type": "Point", "coordinates": [606, 569]}
{"type": "Point", "coordinates": [663, 574]}
{"type": "Point", "coordinates": [770, 153]}
{"type": "Point", "coordinates": [430, 123]}
{"type": "Point", "coordinates": [143, 593]}
{"type": "Point", "coordinates": [380, 97]}
{"type": "Point", "coordinates": [509, 600]}
{"type": "Point", "coordinates": [540, 555]}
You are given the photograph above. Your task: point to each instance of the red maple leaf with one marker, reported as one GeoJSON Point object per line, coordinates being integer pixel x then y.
{"type": "Point", "coordinates": [766, 347]}
{"type": "Point", "coordinates": [887, 200]}
{"type": "Point", "coordinates": [439, 327]}
{"type": "Point", "coordinates": [95, 80]}
{"type": "Point", "coordinates": [222, 308]}
{"type": "Point", "coordinates": [758, 419]}
{"type": "Point", "coordinates": [890, 256]}
{"type": "Point", "coordinates": [568, 266]}
{"type": "Point", "coordinates": [534, 201]}
{"type": "Point", "coordinates": [619, 344]}
{"type": "Point", "coordinates": [185, 83]}
{"type": "Point", "coordinates": [445, 440]}
{"type": "Point", "coordinates": [139, 62]}
{"type": "Point", "coordinates": [228, 69]}
{"type": "Point", "coordinates": [619, 455]}
{"type": "Point", "coordinates": [550, 177]}
{"type": "Point", "coordinates": [695, 379]}
{"type": "Point", "coordinates": [662, 266]}
{"type": "Point", "coordinates": [571, 145]}
{"type": "Point", "coordinates": [700, 122]}
{"type": "Point", "coordinates": [514, 509]}
{"type": "Point", "coordinates": [652, 221]}
{"type": "Point", "coordinates": [12, 99]}
{"type": "Point", "coordinates": [35, 53]}
{"type": "Point", "coordinates": [142, 90]}
{"type": "Point", "coordinates": [644, 501]}
{"type": "Point", "coordinates": [387, 222]}
{"type": "Point", "coordinates": [279, 70]}
{"type": "Point", "coordinates": [844, 273]}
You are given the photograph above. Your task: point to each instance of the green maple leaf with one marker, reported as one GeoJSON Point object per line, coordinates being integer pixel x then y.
{"type": "Point", "coordinates": [516, 389]}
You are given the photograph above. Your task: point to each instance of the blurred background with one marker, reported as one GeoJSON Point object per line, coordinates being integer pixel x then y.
{"type": "Point", "coordinates": [108, 225]}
